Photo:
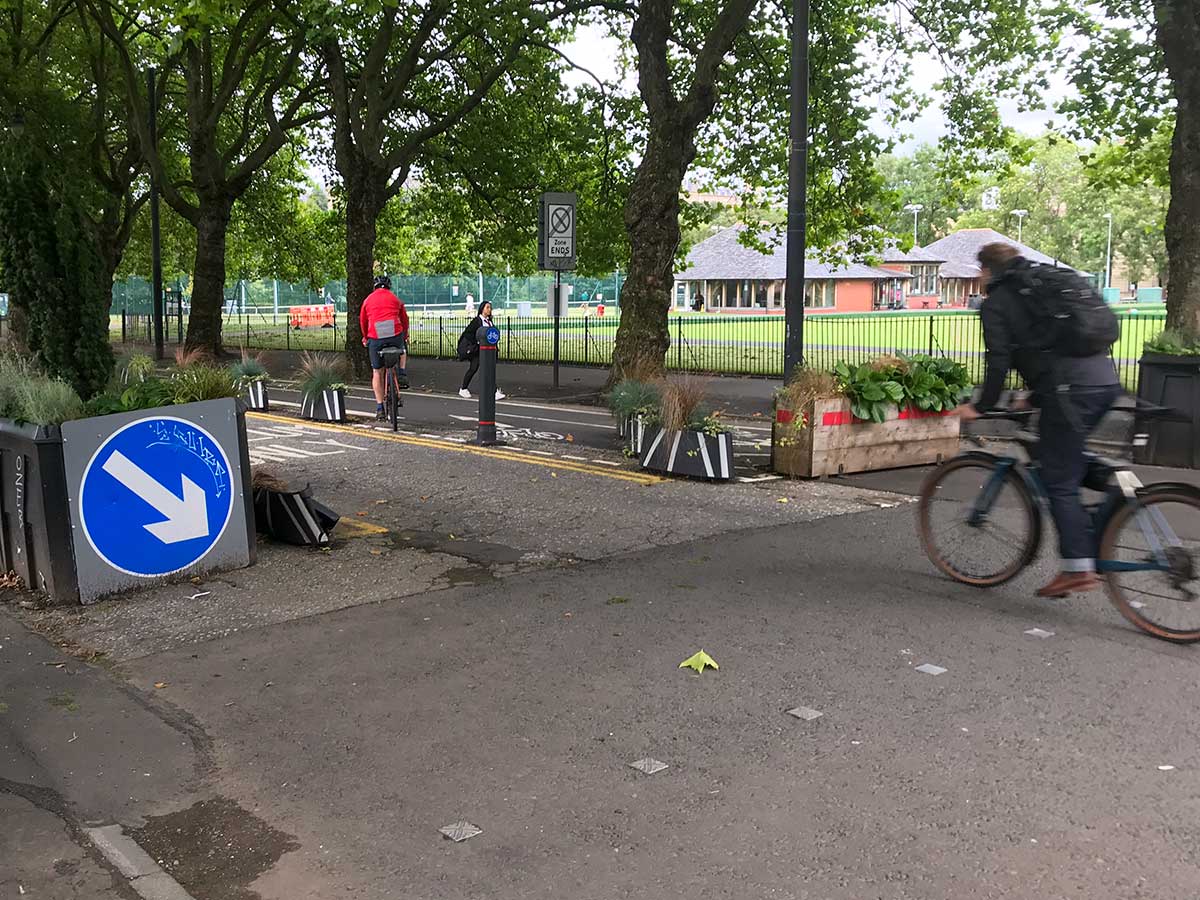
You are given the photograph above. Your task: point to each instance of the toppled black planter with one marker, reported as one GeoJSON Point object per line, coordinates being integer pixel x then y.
{"type": "Point", "coordinates": [293, 517]}
{"type": "Point", "coordinates": [691, 453]}
{"type": "Point", "coordinates": [1173, 439]}
{"type": "Point", "coordinates": [327, 406]}
{"type": "Point", "coordinates": [257, 397]}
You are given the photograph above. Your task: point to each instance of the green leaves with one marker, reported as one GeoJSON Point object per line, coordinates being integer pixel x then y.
{"type": "Point", "coordinates": [925, 383]}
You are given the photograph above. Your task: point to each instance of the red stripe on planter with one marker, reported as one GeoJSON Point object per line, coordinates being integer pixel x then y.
{"type": "Point", "coordinates": [922, 414]}
{"type": "Point", "coordinates": [838, 418]}
{"type": "Point", "coordinates": [784, 416]}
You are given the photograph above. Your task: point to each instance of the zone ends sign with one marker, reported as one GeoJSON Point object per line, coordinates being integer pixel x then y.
{"type": "Point", "coordinates": [556, 232]}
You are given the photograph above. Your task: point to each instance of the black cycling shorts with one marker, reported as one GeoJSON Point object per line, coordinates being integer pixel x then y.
{"type": "Point", "coordinates": [374, 345]}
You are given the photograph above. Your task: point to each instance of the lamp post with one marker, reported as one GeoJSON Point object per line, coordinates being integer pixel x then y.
{"type": "Point", "coordinates": [1108, 254]}
{"type": "Point", "coordinates": [1020, 214]}
{"type": "Point", "coordinates": [156, 300]}
{"type": "Point", "coordinates": [797, 217]}
{"type": "Point", "coordinates": [915, 209]}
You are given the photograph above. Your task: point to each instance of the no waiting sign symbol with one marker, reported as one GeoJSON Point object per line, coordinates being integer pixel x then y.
{"type": "Point", "coordinates": [560, 220]}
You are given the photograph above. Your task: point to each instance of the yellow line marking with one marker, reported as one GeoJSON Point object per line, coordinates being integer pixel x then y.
{"type": "Point", "coordinates": [354, 527]}
{"type": "Point", "coordinates": [495, 453]}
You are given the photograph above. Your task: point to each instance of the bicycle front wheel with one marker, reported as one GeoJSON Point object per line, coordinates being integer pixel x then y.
{"type": "Point", "coordinates": [1150, 555]}
{"type": "Point", "coordinates": [977, 521]}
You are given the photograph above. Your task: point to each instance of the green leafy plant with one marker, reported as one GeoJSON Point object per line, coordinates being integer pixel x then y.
{"type": "Point", "coordinates": [201, 381]}
{"type": "Point", "coordinates": [1174, 342]}
{"type": "Point", "coordinates": [139, 367]}
{"type": "Point", "coordinates": [248, 369]}
{"type": "Point", "coordinates": [633, 397]}
{"type": "Point", "coordinates": [148, 394]}
{"type": "Point", "coordinates": [321, 372]}
{"type": "Point", "coordinates": [925, 383]}
{"type": "Point", "coordinates": [871, 389]}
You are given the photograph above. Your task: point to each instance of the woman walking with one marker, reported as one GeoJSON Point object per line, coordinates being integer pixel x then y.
{"type": "Point", "coordinates": [468, 348]}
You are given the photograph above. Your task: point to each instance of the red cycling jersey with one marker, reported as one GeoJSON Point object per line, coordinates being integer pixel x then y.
{"type": "Point", "coordinates": [383, 307]}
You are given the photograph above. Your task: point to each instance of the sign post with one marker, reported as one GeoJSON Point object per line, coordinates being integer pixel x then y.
{"type": "Point", "coordinates": [489, 338]}
{"type": "Point", "coordinates": [557, 250]}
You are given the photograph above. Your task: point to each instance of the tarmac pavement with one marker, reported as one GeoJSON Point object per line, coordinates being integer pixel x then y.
{"type": "Point", "coordinates": [495, 636]}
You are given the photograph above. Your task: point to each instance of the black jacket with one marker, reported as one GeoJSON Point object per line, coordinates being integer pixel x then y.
{"type": "Point", "coordinates": [1008, 325]}
{"type": "Point", "coordinates": [468, 341]}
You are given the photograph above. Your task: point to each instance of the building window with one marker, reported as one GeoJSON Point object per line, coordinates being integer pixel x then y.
{"type": "Point", "coordinates": [819, 294]}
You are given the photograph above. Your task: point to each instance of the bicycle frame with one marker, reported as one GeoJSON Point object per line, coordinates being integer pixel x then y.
{"type": "Point", "coordinates": [1128, 484]}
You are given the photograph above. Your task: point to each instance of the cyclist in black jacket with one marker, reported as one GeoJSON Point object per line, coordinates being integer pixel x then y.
{"type": "Point", "coordinates": [1073, 394]}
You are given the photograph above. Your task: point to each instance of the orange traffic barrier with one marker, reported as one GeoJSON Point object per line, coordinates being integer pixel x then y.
{"type": "Point", "coordinates": [311, 316]}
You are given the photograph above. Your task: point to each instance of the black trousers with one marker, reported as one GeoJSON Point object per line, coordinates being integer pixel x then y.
{"type": "Point", "coordinates": [471, 370]}
{"type": "Point", "coordinates": [1066, 421]}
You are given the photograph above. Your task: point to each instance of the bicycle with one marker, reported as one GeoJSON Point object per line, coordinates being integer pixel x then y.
{"type": "Point", "coordinates": [390, 357]}
{"type": "Point", "coordinates": [1148, 536]}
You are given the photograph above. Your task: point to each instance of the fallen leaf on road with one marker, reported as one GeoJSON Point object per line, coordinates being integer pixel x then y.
{"type": "Point", "coordinates": [553, 474]}
{"type": "Point", "coordinates": [570, 438]}
{"type": "Point", "coordinates": [160, 684]}
{"type": "Point", "coordinates": [361, 512]}
{"type": "Point", "coordinates": [566, 615]}
{"type": "Point", "coordinates": [699, 661]}
{"type": "Point", "coordinates": [783, 500]}
{"type": "Point", "coordinates": [377, 553]}
{"type": "Point", "coordinates": [613, 601]}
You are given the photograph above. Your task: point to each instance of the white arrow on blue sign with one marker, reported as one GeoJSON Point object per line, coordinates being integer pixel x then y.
{"type": "Point", "coordinates": [156, 496]}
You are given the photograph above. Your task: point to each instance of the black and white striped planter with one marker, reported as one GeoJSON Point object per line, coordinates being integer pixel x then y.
{"type": "Point", "coordinates": [327, 406]}
{"type": "Point", "coordinates": [257, 397]}
{"type": "Point", "coordinates": [632, 429]}
{"type": "Point", "coordinates": [691, 453]}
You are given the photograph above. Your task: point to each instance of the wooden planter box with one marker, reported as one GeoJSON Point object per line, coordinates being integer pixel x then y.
{"type": "Point", "coordinates": [327, 406]}
{"type": "Point", "coordinates": [691, 453]}
{"type": "Point", "coordinates": [836, 443]}
{"type": "Point", "coordinates": [257, 397]}
{"type": "Point", "coordinates": [1173, 381]}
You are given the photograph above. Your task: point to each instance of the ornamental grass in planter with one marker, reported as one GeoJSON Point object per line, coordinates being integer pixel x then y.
{"type": "Point", "coordinates": [323, 387]}
{"type": "Point", "coordinates": [632, 400]}
{"type": "Point", "coordinates": [250, 375]}
{"type": "Point", "coordinates": [684, 436]}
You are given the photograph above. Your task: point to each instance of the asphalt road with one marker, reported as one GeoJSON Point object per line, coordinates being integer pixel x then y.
{"type": "Point", "coordinates": [556, 425]}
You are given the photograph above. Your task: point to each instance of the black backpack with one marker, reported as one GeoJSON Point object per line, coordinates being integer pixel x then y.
{"type": "Point", "coordinates": [1069, 317]}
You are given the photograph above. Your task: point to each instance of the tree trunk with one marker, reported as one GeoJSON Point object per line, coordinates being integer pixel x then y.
{"type": "Point", "coordinates": [366, 187]}
{"type": "Point", "coordinates": [208, 283]}
{"type": "Point", "coordinates": [1179, 37]}
{"type": "Point", "coordinates": [652, 220]}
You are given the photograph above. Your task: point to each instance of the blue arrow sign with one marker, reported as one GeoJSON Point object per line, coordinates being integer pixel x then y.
{"type": "Point", "coordinates": [156, 496]}
{"type": "Point", "coordinates": [493, 335]}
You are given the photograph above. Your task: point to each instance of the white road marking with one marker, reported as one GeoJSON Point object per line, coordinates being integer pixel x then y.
{"type": "Point", "coordinates": [576, 458]}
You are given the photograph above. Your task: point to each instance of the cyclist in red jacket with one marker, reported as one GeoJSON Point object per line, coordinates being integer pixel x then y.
{"type": "Point", "coordinates": [383, 321]}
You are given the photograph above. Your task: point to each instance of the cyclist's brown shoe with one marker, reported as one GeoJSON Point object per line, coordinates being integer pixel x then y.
{"type": "Point", "coordinates": [1067, 583]}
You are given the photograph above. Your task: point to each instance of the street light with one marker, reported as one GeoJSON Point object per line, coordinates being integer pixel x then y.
{"type": "Point", "coordinates": [1020, 214]}
{"type": "Point", "coordinates": [1108, 254]}
{"type": "Point", "coordinates": [915, 209]}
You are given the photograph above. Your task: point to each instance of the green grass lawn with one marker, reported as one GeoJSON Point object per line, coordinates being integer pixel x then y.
{"type": "Point", "coordinates": [704, 342]}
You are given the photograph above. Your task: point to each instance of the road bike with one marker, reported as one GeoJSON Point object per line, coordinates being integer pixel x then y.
{"type": "Point", "coordinates": [980, 520]}
{"type": "Point", "coordinates": [393, 400]}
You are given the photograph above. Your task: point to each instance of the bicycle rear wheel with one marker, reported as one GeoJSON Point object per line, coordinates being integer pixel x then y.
{"type": "Point", "coordinates": [1150, 555]}
{"type": "Point", "coordinates": [977, 521]}
{"type": "Point", "coordinates": [393, 398]}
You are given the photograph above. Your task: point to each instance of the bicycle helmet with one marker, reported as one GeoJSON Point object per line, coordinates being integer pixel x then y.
{"type": "Point", "coordinates": [382, 281]}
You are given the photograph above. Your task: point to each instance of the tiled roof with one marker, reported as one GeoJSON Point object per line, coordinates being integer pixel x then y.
{"type": "Point", "coordinates": [959, 270]}
{"type": "Point", "coordinates": [722, 257]}
{"type": "Point", "coordinates": [893, 254]}
{"type": "Point", "coordinates": [964, 246]}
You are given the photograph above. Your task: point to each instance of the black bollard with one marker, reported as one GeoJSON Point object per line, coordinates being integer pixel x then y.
{"type": "Point", "coordinates": [489, 337]}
